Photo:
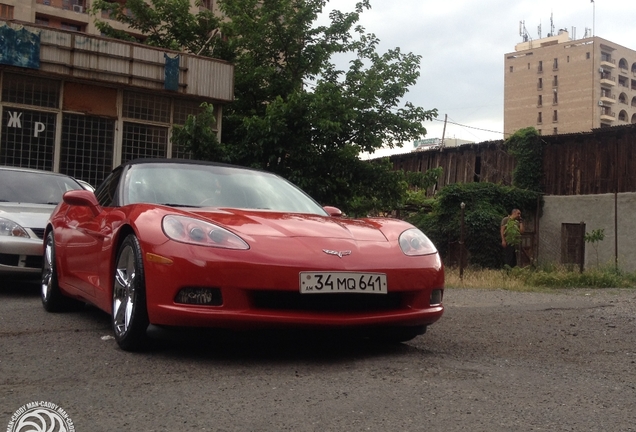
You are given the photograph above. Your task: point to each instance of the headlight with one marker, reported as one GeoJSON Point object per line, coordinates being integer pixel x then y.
{"type": "Point", "coordinates": [9, 228]}
{"type": "Point", "coordinates": [194, 231]}
{"type": "Point", "coordinates": [414, 242]}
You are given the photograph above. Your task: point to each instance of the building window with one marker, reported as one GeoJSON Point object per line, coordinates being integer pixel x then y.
{"type": "Point", "coordinates": [540, 69]}
{"type": "Point", "coordinates": [528, 66]}
{"type": "Point", "coordinates": [555, 81]}
{"type": "Point", "coordinates": [28, 90]}
{"type": "Point", "coordinates": [540, 101]}
{"type": "Point", "coordinates": [28, 138]}
{"type": "Point", "coordinates": [555, 65]}
{"type": "Point", "coordinates": [6, 12]}
{"type": "Point", "coordinates": [555, 131]}
{"type": "Point", "coordinates": [587, 55]}
{"type": "Point", "coordinates": [555, 116]}
{"type": "Point", "coordinates": [539, 118]}
{"type": "Point", "coordinates": [87, 147]}
{"type": "Point", "coordinates": [510, 68]}
{"type": "Point", "coordinates": [143, 106]}
{"type": "Point", "coordinates": [41, 21]}
{"type": "Point", "coordinates": [540, 84]}
{"type": "Point", "coordinates": [71, 27]}
{"type": "Point", "coordinates": [143, 141]}
{"type": "Point", "coordinates": [622, 81]}
{"type": "Point", "coordinates": [555, 98]}
{"type": "Point", "coordinates": [568, 60]}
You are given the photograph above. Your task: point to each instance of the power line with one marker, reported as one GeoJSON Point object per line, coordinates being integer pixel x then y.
{"type": "Point", "coordinates": [472, 127]}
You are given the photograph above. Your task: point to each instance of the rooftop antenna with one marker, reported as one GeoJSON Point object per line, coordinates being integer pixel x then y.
{"type": "Point", "coordinates": [551, 26]}
{"type": "Point", "coordinates": [523, 32]}
{"type": "Point", "coordinates": [593, 16]}
{"type": "Point", "coordinates": [539, 28]}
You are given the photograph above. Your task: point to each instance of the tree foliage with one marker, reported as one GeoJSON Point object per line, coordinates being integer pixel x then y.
{"type": "Point", "coordinates": [169, 24]}
{"type": "Point", "coordinates": [295, 112]}
{"type": "Point", "coordinates": [527, 148]}
{"type": "Point", "coordinates": [198, 136]}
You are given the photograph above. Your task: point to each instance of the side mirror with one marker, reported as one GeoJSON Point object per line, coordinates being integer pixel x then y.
{"type": "Point", "coordinates": [83, 198]}
{"type": "Point", "coordinates": [333, 211]}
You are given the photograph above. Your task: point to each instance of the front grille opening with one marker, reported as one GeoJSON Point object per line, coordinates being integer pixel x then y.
{"type": "Point", "coordinates": [9, 259]}
{"type": "Point", "coordinates": [341, 302]}
{"type": "Point", "coordinates": [38, 232]}
{"type": "Point", "coordinates": [199, 296]}
{"type": "Point", "coordinates": [30, 261]}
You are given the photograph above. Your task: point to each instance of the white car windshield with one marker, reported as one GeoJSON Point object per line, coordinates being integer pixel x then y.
{"type": "Point", "coordinates": [34, 187]}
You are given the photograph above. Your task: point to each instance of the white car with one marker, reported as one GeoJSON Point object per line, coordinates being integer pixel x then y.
{"type": "Point", "coordinates": [27, 198]}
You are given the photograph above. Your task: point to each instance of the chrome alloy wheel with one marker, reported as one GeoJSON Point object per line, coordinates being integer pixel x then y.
{"type": "Point", "coordinates": [47, 270]}
{"type": "Point", "coordinates": [124, 291]}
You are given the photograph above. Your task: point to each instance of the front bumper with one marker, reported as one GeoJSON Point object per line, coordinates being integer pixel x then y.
{"type": "Point", "coordinates": [21, 256]}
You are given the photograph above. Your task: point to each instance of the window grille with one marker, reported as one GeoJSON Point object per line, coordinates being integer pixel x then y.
{"type": "Point", "coordinates": [29, 90]}
{"type": "Point", "coordinates": [143, 141]}
{"type": "Point", "coordinates": [184, 108]}
{"type": "Point", "coordinates": [87, 147]}
{"type": "Point", "coordinates": [142, 106]}
{"type": "Point", "coordinates": [28, 139]}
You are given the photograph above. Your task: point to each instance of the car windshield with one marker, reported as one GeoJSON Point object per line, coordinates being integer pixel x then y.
{"type": "Point", "coordinates": [192, 185]}
{"type": "Point", "coordinates": [34, 187]}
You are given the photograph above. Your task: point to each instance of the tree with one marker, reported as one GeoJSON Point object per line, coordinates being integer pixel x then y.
{"type": "Point", "coordinates": [166, 24]}
{"type": "Point", "coordinates": [594, 237]}
{"type": "Point", "coordinates": [198, 137]}
{"type": "Point", "coordinates": [295, 113]}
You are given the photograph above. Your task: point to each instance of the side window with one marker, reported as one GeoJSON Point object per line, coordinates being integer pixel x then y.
{"type": "Point", "coordinates": [106, 193]}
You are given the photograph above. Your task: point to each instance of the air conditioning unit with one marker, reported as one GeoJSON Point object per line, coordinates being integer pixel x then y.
{"type": "Point", "coordinates": [78, 8]}
{"type": "Point", "coordinates": [601, 70]}
{"type": "Point", "coordinates": [600, 103]}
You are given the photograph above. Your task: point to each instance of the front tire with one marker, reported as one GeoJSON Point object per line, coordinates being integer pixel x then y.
{"type": "Point", "coordinates": [130, 313]}
{"type": "Point", "coordinates": [52, 298]}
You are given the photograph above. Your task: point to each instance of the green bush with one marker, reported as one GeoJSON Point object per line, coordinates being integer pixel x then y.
{"type": "Point", "coordinates": [485, 205]}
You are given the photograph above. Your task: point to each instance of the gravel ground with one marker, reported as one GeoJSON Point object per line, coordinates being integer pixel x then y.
{"type": "Point", "coordinates": [496, 361]}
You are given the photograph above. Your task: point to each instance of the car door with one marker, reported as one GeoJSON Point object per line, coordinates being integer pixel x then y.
{"type": "Point", "coordinates": [87, 238]}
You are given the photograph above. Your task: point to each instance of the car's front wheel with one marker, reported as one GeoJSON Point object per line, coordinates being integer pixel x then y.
{"type": "Point", "coordinates": [52, 298]}
{"type": "Point", "coordinates": [130, 314]}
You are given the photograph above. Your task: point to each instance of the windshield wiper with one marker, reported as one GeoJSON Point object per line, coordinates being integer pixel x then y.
{"type": "Point", "coordinates": [178, 205]}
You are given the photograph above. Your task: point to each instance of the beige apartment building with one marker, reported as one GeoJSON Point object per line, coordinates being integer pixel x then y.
{"type": "Point", "coordinates": [560, 85]}
{"type": "Point", "coordinates": [68, 14]}
{"type": "Point", "coordinates": [75, 102]}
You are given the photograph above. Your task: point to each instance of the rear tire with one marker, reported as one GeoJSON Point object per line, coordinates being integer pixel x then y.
{"type": "Point", "coordinates": [52, 298]}
{"type": "Point", "coordinates": [130, 313]}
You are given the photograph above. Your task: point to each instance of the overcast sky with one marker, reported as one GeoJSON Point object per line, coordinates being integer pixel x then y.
{"type": "Point", "coordinates": [463, 44]}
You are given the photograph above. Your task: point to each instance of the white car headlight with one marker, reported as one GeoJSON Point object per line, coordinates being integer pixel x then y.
{"type": "Point", "coordinates": [414, 242]}
{"type": "Point", "coordinates": [194, 231]}
{"type": "Point", "coordinates": [9, 228]}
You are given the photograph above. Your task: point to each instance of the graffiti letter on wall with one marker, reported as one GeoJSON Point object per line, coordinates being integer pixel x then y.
{"type": "Point", "coordinates": [39, 127]}
{"type": "Point", "coordinates": [14, 119]}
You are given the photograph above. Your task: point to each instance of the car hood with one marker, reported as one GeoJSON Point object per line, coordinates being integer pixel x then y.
{"type": "Point", "coordinates": [27, 215]}
{"type": "Point", "coordinates": [274, 224]}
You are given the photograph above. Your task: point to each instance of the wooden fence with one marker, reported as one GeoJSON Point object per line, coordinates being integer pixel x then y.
{"type": "Point", "coordinates": [596, 162]}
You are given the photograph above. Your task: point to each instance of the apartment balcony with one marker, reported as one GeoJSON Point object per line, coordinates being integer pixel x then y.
{"type": "Point", "coordinates": [608, 99]}
{"type": "Point", "coordinates": [76, 6]}
{"type": "Point", "coordinates": [608, 81]}
{"type": "Point", "coordinates": [608, 116]}
{"type": "Point", "coordinates": [73, 11]}
{"type": "Point", "coordinates": [608, 64]}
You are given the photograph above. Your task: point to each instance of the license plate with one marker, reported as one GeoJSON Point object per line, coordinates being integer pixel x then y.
{"type": "Point", "coordinates": [342, 282]}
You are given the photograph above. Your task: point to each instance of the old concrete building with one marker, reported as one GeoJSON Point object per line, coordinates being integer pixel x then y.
{"type": "Point", "coordinates": [560, 85]}
{"type": "Point", "coordinates": [78, 103]}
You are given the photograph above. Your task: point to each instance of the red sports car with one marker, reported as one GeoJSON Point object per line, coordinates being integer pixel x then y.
{"type": "Point", "coordinates": [185, 243]}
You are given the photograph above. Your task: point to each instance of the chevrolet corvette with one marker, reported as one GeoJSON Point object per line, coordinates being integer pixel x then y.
{"type": "Point", "coordinates": [180, 243]}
